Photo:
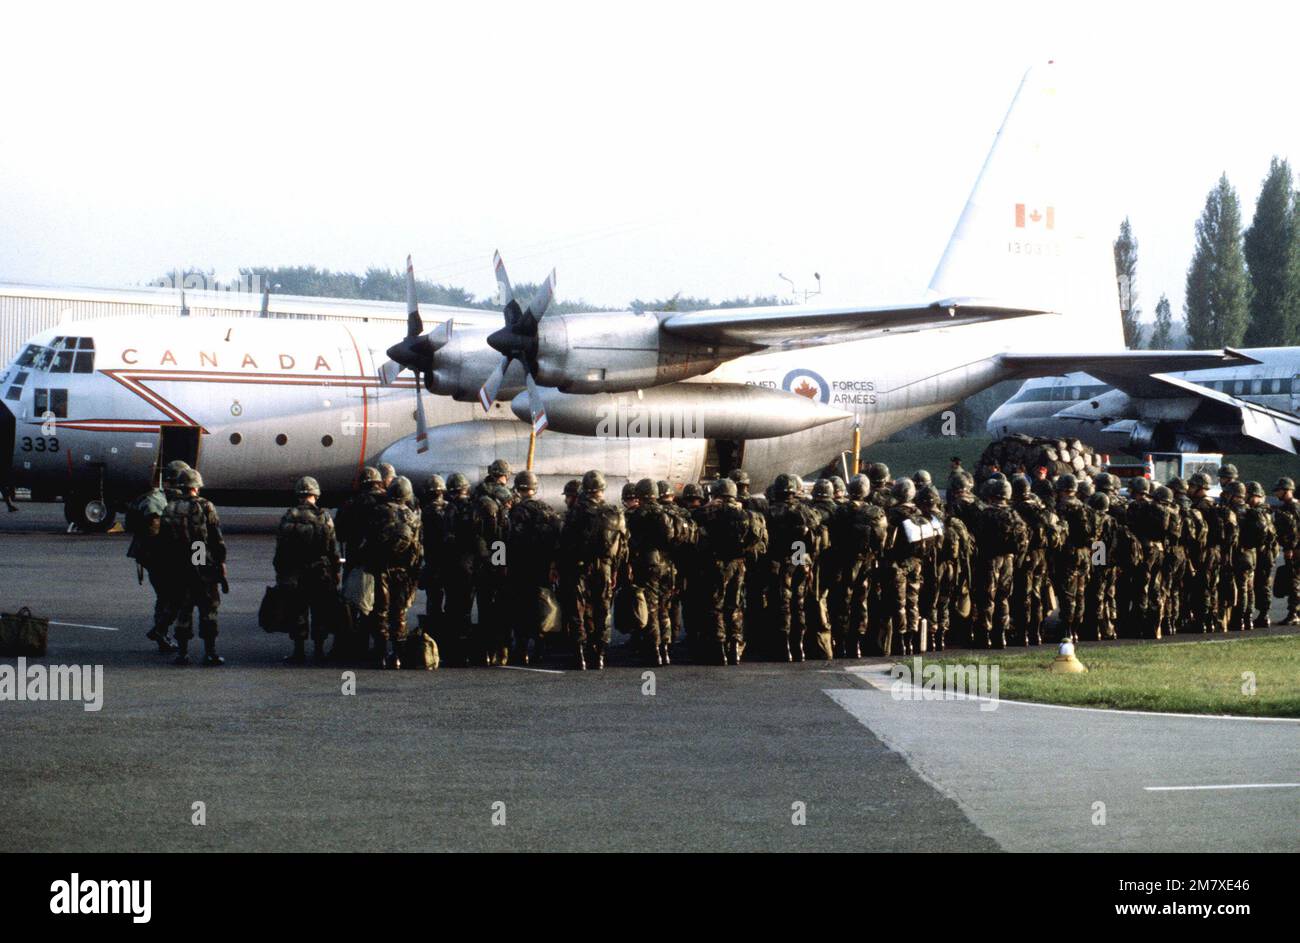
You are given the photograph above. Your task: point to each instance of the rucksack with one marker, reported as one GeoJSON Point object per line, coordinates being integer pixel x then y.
{"type": "Point", "coordinates": [185, 523]}
{"type": "Point", "coordinates": [1005, 532]}
{"type": "Point", "coordinates": [730, 531]}
{"type": "Point", "coordinates": [860, 530]}
{"type": "Point", "coordinates": [398, 536]}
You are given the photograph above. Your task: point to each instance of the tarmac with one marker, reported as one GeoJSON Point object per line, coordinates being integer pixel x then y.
{"type": "Point", "coordinates": [763, 756]}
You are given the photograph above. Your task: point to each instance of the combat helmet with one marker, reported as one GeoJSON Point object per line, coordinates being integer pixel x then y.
{"type": "Point", "coordinates": [1067, 484]}
{"type": "Point", "coordinates": [593, 482]}
{"type": "Point", "coordinates": [371, 476]}
{"type": "Point", "coordinates": [997, 489]}
{"type": "Point", "coordinates": [1284, 484]}
{"type": "Point", "coordinates": [572, 487]}
{"type": "Point", "coordinates": [739, 476]}
{"type": "Point", "coordinates": [1084, 488]}
{"type": "Point", "coordinates": [307, 485]}
{"type": "Point", "coordinates": [399, 489]}
{"type": "Point", "coordinates": [435, 485]}
{"type": "Point", "coordinates": [189, 478]}
{"type": "Point", "coordinates": [1139, 486]}
{"type": "Point", "coordinates": [173, 469]}
{"type": "Point", "coordinates": [904, 490]}
{"type": "Point", "coordinates": [1021, 487]}
{"type": "Point", "coordinates": [387, 471]}
{"type": "Point", "coordinates": [1164, 495]}
{"type": "Point", "coordinates": [921, 478]}
{"type": "Point", "coordinates": [500, 467]}
{"type": "Point", "coordinates": [1198, 481]}
{"type": "Point", "coordinates": [823, 489]}
{"type": "Point", "coordinates": [646, 488]}
{"type": "Point", "coordinates": [1234, 489]}
{"type": "Point", "coordinates": [878, 472]}
{"type": "Point", "coordinates": [927, 496]}
{"type": "Point", "coordinates": [691, 491]}
{"type": "Point", "coordinates": [1228, 471]}
{"type": "Point", "coordinates": [724, 488]}
{"type": "Point", "coordinates": [665, 490]}
{"type": "Point", "coordinates": [629, 491]}
{"type": "Point", "coordinates": [457, 483]}
{"type": "Point", "coordinates": [784, 485]}
{"type": "Point", "coordinates": [525, 481]}
{"type": "Point", "coordinates": [1176, 485]}
{"type": "Point", "coordinates": [1254, 489]}
{"type": "Point", "coordinates": [1106, 482]}
{"type": "Point", "coordinates": [859, 487]}
{"type": "Point", "coordinates": [1100, 502]}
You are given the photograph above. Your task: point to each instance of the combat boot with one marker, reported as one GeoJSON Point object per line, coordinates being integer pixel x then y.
{"type": "Point", "coordinates": [1261, 620]}
{"type": "Point", "coordinates": [394, 657]}
{"type": "Point", "coordinates": [210, 657]}
{"type": "Point", "coordinates": [664, 653]}
{"type": "Point", "coordinates": [599, 659]}
{"type": "Point", "coordinates": [160, 637]}
{"type": "Point", "coordinates": [788, 655]}
{"type": "Point", "coordinates": [797, 650]}
{"type": "Point", "coordinates": [299, 656]}
{"type": "Point", "coordinates": [182, 653]}
{"type": "Point", "coordinates": [721, 657]}
{"type": "Point", "coordinates": [580, 661]}
{"type": "Point", "coordinates": [733, 652]}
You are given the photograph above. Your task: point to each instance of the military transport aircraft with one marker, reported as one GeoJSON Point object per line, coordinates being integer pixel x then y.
{"type": "Point", "coordinates": [1253, 408]}
{"type": "Point", "coordinates": [1026, 287]}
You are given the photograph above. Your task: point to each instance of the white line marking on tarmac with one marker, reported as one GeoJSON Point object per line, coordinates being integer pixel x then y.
{"type": "Point", "coordinates": [1226, 786]}
{"type": "Point", "coordinates": [884, 683]}
{"type": "Point", "coordinates": [78, 625]}
{"type": "Point", "coordinates": [545, 671]}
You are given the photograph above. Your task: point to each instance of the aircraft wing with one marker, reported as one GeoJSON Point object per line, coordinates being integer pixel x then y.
{"type": "Point", "coordinates": [1133, 371]}
{"type": "Point", "coordinates": [787, 326]}
{"type": "Point", "coordinates": [1270, 426]}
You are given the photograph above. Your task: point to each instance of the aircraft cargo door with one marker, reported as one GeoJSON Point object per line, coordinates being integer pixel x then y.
{"type": "Point", "coordinates": [178, 442]}
{"type": "Point", "coordinates": [8, 430]}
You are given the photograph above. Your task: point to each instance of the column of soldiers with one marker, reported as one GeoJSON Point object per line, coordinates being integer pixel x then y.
{"type": "Point", "coordinates": [871, 566]}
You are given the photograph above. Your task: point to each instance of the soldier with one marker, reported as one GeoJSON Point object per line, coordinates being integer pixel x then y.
{"type": "Point", "coordinates": [1220, 526]}
{"type": "Point", "coordinates": [1046, 537]}
{"type": "Point", "coordinates": [1227, 474]}
{"type": "Point", "coordinates": [691, 566]}
{"type": "Point", "coordinates": [1255, 544]}
{"type": "Point", "coordinates": [498, 474]}
{"type": "Point", "coordinates": [386, 475]}
{"type": "Point", "coordinates": [436, 532]}
{"type": "Point", "coordinates": [882, 484]}
{"type": "Point", "coordinates": [1266, 553]}
{"type": "Point", "coordinates": [307, 566]}
{"type": "Point", "coordinates": [951, 573]}
{"type": "Point", "coordinates": [1084, 489]}
{"type": "Point", "coordinates": [649, 570]}
{"type": "Point", "coordinates": [144, 522]}
{"type": "Point", "coordinates": [532, 542]}
{"type": "Point", "coordinates": [593, 548]}
{"type": "Point", "coordinates": [922, 479]}
{"type": "Point", "coordinates": [490, 506]}
{"type": "Point", "coordinates": [1286, 520]}
{"type": "Point", "coordinates": [1000, 539]}
{"type": "Point", "coordinates": [1099, 613]}
{"type": "Point", "coordinates": [628, 496]}
{"type": "Point", "coordinates": [962, 501]}
{"type": "Point", "coordinates": [727, 536]}
{"type": "Point", "coordinates": [1074, 560]}
{"type": "Point", "coordinates": [350, 526]}
{"type": "Point", "coordinates": [1150, 522]}
{"type": "Point", "coordinates": [459, 564]}
{"type": "Point", "coordinates": [824, 602]}
{"type": "Point", "coordinates": [794, 533]}
{"type": "Point", "coordinates": [196, 562]}
{"type": "Point", "coordinates": [839, 489]}
{"type": "Point", "coordinates": [572, 488]}
{"type": "Point", "coordinates": [759, 571]}
{"type": "Point", "coordinates": [1174, 574]}
{"type": "Point", "coordinates": [396, 547]}
{"type": "Point", "coordinates": [908, 544]}
{"type": "Point", "coordinates": [857, 532]}
{"type": "Point", "coordinates": [685, 535]}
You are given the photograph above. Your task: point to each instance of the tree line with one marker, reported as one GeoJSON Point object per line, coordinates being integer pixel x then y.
{"type": "Point", "coordinates": [1243, 287]}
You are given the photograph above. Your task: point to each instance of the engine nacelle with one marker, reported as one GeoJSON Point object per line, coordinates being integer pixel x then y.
{"type": "Point", "coordinates": [614, 351]}
{"type": "Point", "coordinates": [461, 366]}
{"type": "Point", "coordinates": [682, 411]}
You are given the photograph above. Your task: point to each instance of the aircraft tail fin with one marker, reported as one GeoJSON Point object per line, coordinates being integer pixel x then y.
{"type": "Point", "coordinates": [1026, 237]}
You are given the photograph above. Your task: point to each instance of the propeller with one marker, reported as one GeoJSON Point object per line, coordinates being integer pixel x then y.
{"type": "Point", "coordinates": [415, 353]}
{"type": "Point", "coordinates": [517, 340]}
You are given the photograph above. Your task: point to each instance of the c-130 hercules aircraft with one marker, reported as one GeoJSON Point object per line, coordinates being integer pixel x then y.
{"type": "Point", "coordinates": [1026, 287]}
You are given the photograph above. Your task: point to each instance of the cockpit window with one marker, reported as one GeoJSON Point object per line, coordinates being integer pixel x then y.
{"type": "Point", "coordinates": [64, 355]}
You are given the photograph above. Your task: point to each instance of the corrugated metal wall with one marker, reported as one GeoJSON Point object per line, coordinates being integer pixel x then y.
{"type": "Point", "coordinates": [28, 310]}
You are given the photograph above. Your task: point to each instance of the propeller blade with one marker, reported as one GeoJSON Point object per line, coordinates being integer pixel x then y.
{"type": "Point", "coordinates": [414, 325]}
{"type": "Point", "coordinates": [388, 372]}
{"type": "Point", "coordinates": [536, 407]}
{"type": "Point", "coordinates": [505, 294]}
{"type": "Point", "coordinates": [421, 427]}
{"type": "Point", "coordinates": [488, 393]}
{"type": "Point", "coordinates": [542, 300]}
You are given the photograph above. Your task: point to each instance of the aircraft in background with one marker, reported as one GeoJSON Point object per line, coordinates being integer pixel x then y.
{"type": "Point", "coordinates": [1252, 408]}
{"type": "Point", "coordinates": [1026, 284]}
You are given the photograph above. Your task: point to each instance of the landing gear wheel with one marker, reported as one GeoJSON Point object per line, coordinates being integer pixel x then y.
{"type": "Point", "coordinates": [90, 513]}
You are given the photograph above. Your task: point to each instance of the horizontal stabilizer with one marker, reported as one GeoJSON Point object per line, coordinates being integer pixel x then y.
{"type": "Point", "coordinates": [1131, 371]}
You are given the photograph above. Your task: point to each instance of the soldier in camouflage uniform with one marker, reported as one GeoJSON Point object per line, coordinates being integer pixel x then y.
{"type": "Point", "coordinates": [437, 537]}
{"type": "Point", "coordinates": [1266, 553]}
{"type": "Point", "coordinates": [1046, 537]}
{"type": "Point", "coordinates": [947, 572]}
{"type": "Point", "coordinates": [532, 542]}
{"type": "Point", "coordinates": [307, 567]}
{"type": "Point", "coordinates": [1074, 560]}
{"type": "Point", "coordinates": [395, 548]}
{"type": "Point", "coordinates": [1174, 574]}
{"type": "Point", "coordinates": [1219, 525]}
{"type": "Point", "coordinates": [491, 503]}
{"type": "Point", "coordinates": [759, 571]}
{"type": "Point", "coordinates": [628, 496]}
{"type": "Point", "coordinates": [1001, 537]}
{"type": "Point", "coordinates": [649, 569]}
{"type": "Point", "coordinates": [351, 524]}
{"type": "Point", "coordinates": [387, 473]}
{"type": "Point", "coordinates": [794, 533]}
{"type": "Point", "coordinates": [728, 534]}
{"type": "Point", "coordinates": [1099, 613]}
{"type": "Point", "coordinates": [459, 563]}
{"type": "Point", "coordinates": [907, 548]}
{"type": "Point", "coordinates": [685, 537]}
{"type": "Point", "coordinates": [882, 485]}
{"type": "Point", "coordinates": [1286, 520]}
{"type": "Point", "coordinates": [593, 549]}
{"type": "Point", "coordinates": [1256, 537]}
{"type": "Point", "coordinates": [824, 599]}
{"type": "Point", "coordinates": [144, 521]}
{"type": "Point", "coordinates": [1149, 522]}
{"type": "Point", "coordinates": [857, 532]}
{"type": "Point", "coordinates": [196, 565]}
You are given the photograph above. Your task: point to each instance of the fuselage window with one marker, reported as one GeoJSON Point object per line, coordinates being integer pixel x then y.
{"type": "Point", "coordinates": [281, 439]}
{"type": "Point", "coordinates": [1256, 387]}
{"type": "Point", "coordinates": [327, 441]}
{"type": "Point", "coordinates": [236, 438]}
{"type": "Point", "coordinates": [54, 402]}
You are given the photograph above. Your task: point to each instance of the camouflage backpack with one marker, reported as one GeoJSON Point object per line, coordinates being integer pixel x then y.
{"type": "Point", "coordinates": [1004, 531]}
{"type": "Point", "coordinates": [730, 531]}
{"type": "Point", "coordinates": [1256, 528]}
{"type": "Point", "coordinates": [790, 524]}
{"type": "Point", "coordinates": [185, 523]}
{"type": "Point", "coordinates": [860, 530]}
{"type": "Point", "coordinates": [301, 535]}
{"type": "Point", "coordinates": [397, 542]}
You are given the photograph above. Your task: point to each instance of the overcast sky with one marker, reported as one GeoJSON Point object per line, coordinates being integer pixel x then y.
{"type": "Point", "coordinates": [640, 149]}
